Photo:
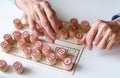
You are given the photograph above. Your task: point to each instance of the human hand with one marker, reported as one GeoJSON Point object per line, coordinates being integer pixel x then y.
{"type": "Point", "coordinates": [42, 18]}
{"type": "Point", "coordinates": [103, 34]}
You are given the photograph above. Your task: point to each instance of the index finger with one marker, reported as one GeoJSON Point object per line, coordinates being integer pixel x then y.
{"type": "Point", "coordinates": [51, 15]}
{"type": "Point", "coordinates": [91, 35]}
{"type": "Point", "coordinates": [44, 22]}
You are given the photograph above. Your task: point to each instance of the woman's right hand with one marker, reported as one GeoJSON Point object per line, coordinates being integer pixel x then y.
{"type": "Point", "coordinates": [41, 17]}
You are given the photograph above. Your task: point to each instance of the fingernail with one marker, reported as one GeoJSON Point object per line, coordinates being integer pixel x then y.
{"type": "Point", "coordinates": [90, 47]}
{"type": "Point", "coordinates": [52, 41]}
{"type": "Point", "coordinates": [108, 49]}
{"type": "Point", "coordinates": [53, 37]}
{"type": "Point", "coordinates": [82, 42]}
{"type": "Point", "coordinates": [94, 43]}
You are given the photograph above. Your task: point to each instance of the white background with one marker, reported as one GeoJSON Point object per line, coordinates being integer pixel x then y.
{"type": "Point", "coordinates": [93, 64]}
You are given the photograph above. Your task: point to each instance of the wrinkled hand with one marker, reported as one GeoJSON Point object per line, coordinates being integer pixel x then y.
{"type": "Point", "coordinates": [103, 34]}
{"type": "Point", "coordinates": [42, 18]}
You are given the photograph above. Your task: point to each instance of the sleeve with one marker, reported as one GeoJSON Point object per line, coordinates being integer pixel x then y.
{"type": "Point", "coordinates": [116, 16]}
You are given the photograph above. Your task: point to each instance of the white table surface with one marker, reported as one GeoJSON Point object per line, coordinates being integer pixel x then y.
{"type": "Point", "coordinates": [93, 64]}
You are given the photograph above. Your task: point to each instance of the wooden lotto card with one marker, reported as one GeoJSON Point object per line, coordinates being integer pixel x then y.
{"type": "Point", "coordinates": [74, 51]}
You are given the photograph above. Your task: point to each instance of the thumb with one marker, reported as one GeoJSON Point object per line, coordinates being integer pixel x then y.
{"type": "Point", "coordinates": [83, 40]}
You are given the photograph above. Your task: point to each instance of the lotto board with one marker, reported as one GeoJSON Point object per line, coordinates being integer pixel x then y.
{"type": "Point", "coordinates": [74, 51]}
